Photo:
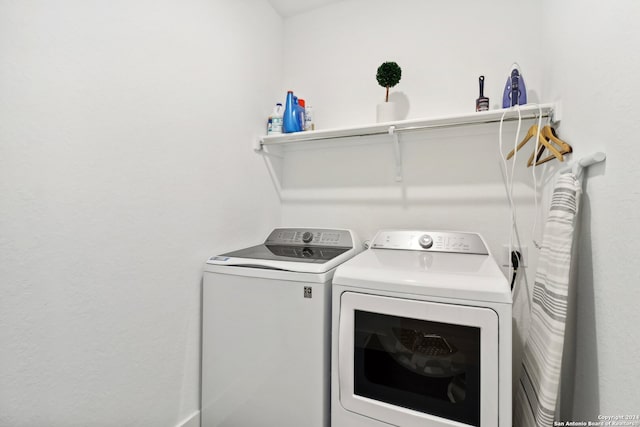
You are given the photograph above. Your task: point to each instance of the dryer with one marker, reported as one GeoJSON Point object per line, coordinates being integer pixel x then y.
{"type": "Point", "coordinates": [266, 330]}
{"type": "Point", "coordinates": [421, 334]}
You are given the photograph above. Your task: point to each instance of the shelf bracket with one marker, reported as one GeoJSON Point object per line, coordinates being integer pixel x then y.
{"type": "Point", "coordinates": [396, 148]}
{"type": "Point", "coordinates": [257, 145]}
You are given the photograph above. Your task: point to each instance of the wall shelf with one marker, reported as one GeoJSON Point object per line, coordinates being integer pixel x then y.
{"type": "Point", "coordinates": [492, 116]}
{"type": "Point", "coordinates": [526, 112]}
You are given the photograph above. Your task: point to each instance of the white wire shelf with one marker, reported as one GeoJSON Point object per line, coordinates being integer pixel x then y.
{"type": "Point", "coordinates": [492, 116]}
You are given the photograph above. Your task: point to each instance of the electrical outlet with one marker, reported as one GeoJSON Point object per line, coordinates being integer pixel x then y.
{"type": "Point", "coordinates": [505, 259]}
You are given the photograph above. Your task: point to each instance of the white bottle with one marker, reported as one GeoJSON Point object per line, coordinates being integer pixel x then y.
{"type": "Point", "coordinates": [308, 118]}
{"type": "Point", "coordinates": [276, 118]}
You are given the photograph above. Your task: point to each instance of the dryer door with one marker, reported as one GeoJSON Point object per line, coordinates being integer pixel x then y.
{"type": "Point", "coordinates": [415, 363]}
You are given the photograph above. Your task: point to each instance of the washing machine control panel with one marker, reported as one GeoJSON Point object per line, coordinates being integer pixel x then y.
{"type": "Point", "coordinates": [310, 237]}
{"type": "Point", "coordinates": [433, 241]}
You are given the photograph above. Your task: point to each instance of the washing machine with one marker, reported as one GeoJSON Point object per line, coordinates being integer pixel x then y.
{"type": "Point", "coordinates": [266, 330]}
{"type": "Point", "coordinates": [421, 334]}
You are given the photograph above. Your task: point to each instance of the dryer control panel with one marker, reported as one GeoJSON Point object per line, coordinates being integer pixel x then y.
{"type": "Point", "coordinates": [432, 241]}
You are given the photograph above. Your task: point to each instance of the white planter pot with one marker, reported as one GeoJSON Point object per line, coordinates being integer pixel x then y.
{"type": "Point", "coordinates": [386, 112]}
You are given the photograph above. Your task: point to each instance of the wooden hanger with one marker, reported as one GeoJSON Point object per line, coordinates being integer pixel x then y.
{"type": "Point", "coordinates": [533, 130]}
{"type": "Point", "coordinates": [549, 134]}
{"type": "Point", "coordinates": [537, 155]}
{"type": "Point", "coordinates": [542, 142]}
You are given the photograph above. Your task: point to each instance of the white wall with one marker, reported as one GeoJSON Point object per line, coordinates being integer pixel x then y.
{"type": "Point", "coordinates": [589, 65]}
{"type": "Point", "coordinates": [125, 161]}
{"type": "Point", "coordinates": [331, 59]}
{"type": "Point", "coordinates": [332, 55]}
{"type": "Point", "coordinates": [580, 53]}
{"type": "Point", "coordinates": [452, 178]}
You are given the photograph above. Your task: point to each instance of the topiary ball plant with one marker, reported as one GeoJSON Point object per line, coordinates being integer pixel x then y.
{"type": "Point", "coordinates": [388, 75]}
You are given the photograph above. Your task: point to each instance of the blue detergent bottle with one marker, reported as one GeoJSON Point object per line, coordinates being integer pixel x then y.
{"type": "Point", "coordinates": [297, 112]}
{"type": "Point", "coordinates": [290, 118]}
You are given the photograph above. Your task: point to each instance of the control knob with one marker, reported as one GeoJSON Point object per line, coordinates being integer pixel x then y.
{"type": "Point", "coordinates": [425, 241]}
{"type": "Point", "coordinates": [307, 237]}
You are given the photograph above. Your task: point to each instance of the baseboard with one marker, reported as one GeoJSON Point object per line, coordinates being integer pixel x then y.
{"type": "Point", "coordinates": [192, 421]}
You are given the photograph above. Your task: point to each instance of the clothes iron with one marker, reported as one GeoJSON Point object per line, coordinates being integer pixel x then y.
{"type": "Point", "coordinates": [515, 92]}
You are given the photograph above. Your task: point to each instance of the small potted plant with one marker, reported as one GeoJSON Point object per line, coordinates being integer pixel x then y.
{"type": "Point", "coordinates": [388, 75]}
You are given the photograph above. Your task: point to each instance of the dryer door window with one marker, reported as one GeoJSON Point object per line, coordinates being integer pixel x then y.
{"type": "Point", "coordinates": [408, 361]}
{"type": "Point", "coordinates": [430, 367]}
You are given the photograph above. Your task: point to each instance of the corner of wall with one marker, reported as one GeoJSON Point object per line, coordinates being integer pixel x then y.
{"type": "Point", "coordinates": [192, 421]}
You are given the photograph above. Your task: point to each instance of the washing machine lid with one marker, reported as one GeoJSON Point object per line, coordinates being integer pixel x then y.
{"type": "Point", "coordinates": [305, 250]}
{"type": "Point", "coordinates": [439, 264]}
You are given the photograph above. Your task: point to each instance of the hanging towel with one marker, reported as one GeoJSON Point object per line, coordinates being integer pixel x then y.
{"type": "Point", "coordinates": [537, 391]}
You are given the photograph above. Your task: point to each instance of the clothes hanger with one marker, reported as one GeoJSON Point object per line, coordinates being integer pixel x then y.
{"type": "Point", "coordinates": [549, 135]}
{"type": "Point", "coordinates": [537, 155]}
{"type": "Point", "coordinates": [533, 130]}
{"type": "Point", "coordinates": [542, 142]}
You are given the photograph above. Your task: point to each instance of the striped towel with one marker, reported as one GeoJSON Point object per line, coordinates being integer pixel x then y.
{"type": "Point", "coordinates": [537, 391]}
